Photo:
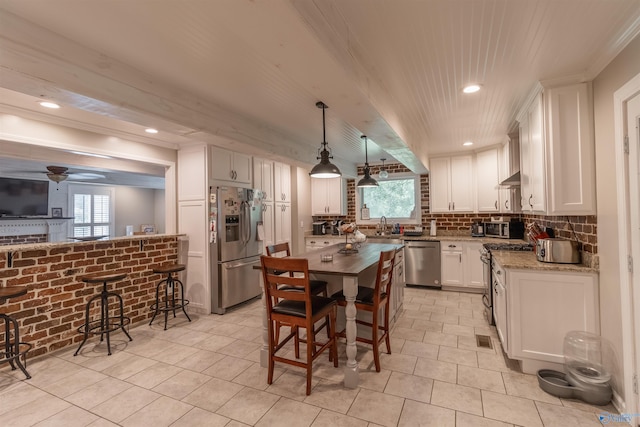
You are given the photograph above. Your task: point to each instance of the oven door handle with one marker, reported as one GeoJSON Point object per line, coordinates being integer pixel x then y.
{"type": "Point", "coordinates": [485, 301]}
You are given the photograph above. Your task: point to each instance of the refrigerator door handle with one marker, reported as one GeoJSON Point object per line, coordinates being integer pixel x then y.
{"type": "Point", "coordinates": [231, 265]}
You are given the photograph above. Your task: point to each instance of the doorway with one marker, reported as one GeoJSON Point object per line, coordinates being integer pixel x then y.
{"type": "Point", "coordinates": [627, 119]}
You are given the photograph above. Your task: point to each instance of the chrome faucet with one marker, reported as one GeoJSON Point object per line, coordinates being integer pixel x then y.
{"type": "Point", "coordinates": [383, 224]}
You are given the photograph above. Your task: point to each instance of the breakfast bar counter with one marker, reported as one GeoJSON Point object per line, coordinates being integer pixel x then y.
{"type": "Point", "coordinates": [347, 268]}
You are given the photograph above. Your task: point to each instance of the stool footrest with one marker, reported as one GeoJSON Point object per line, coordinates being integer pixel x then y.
{"type": "Point", "coordinates": [10, 355]}
{"type": "Point", "coordinates": [96, 327]}
{"type": "Point", "coordinates": [168, 307]}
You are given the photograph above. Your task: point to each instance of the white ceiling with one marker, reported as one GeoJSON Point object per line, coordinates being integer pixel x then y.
{"type": "Point", "coordinates": [251, 71]}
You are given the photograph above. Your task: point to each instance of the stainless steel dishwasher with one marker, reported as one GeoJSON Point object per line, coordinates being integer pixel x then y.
{"type": "Point", "coordinates": [422, 263]}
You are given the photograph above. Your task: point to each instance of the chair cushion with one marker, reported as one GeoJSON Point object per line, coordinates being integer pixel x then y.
{"type": "Point", "coordinates": [317, 286]}
{"type": "Point", "coordinates": [365, 295]}
{"type": "Point", "coordinates": [297, 308]}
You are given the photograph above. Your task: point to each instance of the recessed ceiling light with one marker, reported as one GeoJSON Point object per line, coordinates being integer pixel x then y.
{"type": "Point", "coordinates": [471, 88]}
{"type": "Point", "coordinates": [48, 104]}
{"type": "Point", "coordinates": [468, 143]}
{"type": "Point", "coordinates": [151, 130]}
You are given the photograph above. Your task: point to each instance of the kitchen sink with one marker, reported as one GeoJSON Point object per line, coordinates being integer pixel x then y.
{"type": "Point", "coordinates": [380, 239]}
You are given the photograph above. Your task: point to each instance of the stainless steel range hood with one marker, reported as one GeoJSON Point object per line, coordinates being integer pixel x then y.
{"type": "Point", "coordinates": [512, 181]}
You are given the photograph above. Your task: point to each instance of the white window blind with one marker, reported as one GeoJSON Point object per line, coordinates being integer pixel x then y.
{"type": "Point", "coordinates": [92, 210]}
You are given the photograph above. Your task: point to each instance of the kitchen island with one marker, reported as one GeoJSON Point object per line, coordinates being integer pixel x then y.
{"type": "Point", "coordinates": [346, 269]}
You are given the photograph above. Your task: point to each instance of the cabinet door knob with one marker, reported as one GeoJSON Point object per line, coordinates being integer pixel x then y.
{"type": "Point", "coordinates": [506, 204]}
{"type": "Point", "coordinates": [496, 205]}
{"type": "Point", "coordinates": [530, 197]}
{"type": "Point", "coordinates": [454, 205]}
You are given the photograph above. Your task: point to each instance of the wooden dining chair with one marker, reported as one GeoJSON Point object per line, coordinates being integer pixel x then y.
{"type": "Point", "coordinates": [298, 308]}
{"type": "Point", "coordinates": [318, 287]}
{"type": "Point", "coordinates": [372, 300]}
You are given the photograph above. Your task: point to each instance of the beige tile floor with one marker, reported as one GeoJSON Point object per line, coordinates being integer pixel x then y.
{"type": "Point", "coordinates": [206, 373]}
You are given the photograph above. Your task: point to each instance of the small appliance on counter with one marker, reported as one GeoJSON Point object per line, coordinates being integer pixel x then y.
{"type": "Point", "coordinates": [477, 229]}
{"type": "Point", "coordinates": [320, 228]}
{"type": "Point", "coordinates": [558, 251]}
{"type": "Point", "coordinates": [504, 229]}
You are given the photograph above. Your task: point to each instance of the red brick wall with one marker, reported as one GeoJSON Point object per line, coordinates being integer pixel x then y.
{"type": "Point", "coordinates": [54, 306]}
{"type": "Point", "coordinates": [22, 240]}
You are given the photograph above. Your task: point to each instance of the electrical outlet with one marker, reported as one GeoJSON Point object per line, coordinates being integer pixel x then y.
{"type": "Point", "coordinates": [301, 224]}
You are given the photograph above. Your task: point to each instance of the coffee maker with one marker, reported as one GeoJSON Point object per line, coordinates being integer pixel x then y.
{"type": "Point", "coordinates": [320, 228]}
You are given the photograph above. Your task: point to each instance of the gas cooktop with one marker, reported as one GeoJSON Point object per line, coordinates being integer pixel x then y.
{"type": "Point", "coordinates": [508, 247]}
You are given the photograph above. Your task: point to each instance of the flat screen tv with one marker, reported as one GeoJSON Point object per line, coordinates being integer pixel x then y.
{"type": "Point", "coordinates": [24, 197]}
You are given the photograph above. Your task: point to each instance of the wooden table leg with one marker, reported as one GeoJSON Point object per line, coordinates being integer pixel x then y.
{"type": "Point", "coordinates": [264, 351]}
{"type": "Point", "coordinates": [351, 371]}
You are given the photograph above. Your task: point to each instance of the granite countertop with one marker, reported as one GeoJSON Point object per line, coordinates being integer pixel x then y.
{"type": "Point", "coordinates": [72, 242]}
{"type": "Point", "coordinates": [527, 261]}
{"type": "Point", "coordinates": [426, 237]}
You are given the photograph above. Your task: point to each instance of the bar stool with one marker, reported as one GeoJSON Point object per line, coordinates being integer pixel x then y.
{"type": "Point", "coordinates": [105, 325]}
{"type": "Point", "coordinates": [13, 349]}
{"type": "Point", "coordinates": [171, 303]}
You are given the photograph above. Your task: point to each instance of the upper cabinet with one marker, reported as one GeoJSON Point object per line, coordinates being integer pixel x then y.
{"type": "Point", "coordinates": [557, 153]}
{"type": "Point", "coordinates": [532, 164]}
{"type": "Point", "coordinates": [487, 180]}
{"type": "Point", "coordinates": [282, 182]}
{"type": "Point", "coordinates": [263, 177]}
{"type": "Point", "coordinates": [451, 184]}
{"type": "Point", "coordinates": [230, 166]}
{"type": "Point", "coordinates": [328, 196]}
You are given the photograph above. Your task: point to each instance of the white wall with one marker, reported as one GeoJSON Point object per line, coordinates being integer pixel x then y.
{"type": "Point", "coordinates": [625, 66]}
{"type": "Point", "coordinates": [159, 210]}
{"type": "Point", "coordinates": [133, 206]}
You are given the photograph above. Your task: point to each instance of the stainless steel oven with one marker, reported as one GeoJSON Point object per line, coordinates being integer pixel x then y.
{"type": "Point", "coordinates": [487, 293]}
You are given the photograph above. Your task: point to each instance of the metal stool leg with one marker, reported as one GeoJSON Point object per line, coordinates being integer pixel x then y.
{"type": "Point", "coordinates": [12, 351]}
{"type": "Point", "coordinates": [86, 323]}
{"type": "Point", "coordinates": [122, 318]}
{"type": "Point", "coordinates": [182, 297]}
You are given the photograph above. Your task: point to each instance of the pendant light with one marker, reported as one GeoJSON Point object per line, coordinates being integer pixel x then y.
{"type": "Point", "coordinates": [367, 181]}
{"type": "Point", "coordinates": [383, 174]}
{"type": "Point", "coordinates": [324, 169]}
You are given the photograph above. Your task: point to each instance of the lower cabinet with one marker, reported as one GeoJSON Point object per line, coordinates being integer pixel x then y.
{"type": "Point", "coordinates": [541, 308]}
{"type": "Point", "coordinates": [460, 264]}
{"type": "Point", "coordinates": [397, 289]}
{"type": "Point", "coordinates": [317, 242]}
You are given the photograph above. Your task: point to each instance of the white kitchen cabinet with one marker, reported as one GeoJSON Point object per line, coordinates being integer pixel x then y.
{"type": "Point", "coordinates": [541, 308]}
{"type": "Point", "coordinates": [282, 182]}
{"type": "Point", "coordinates": [532, 164]}
{"type": "Point", "coordinates": [229, 166]}
{"type": "Point", "coordinates": [319, 242]}
{"type": "Point", "coordinates": [487, 180]}
{"type": "Point", "coordinates": [328, 196]}
{"type": "Point", "coordinates": [268, 223]}
{"type": "Point", "coordinates": [509, 163]}
{"type": "Point", "coordinates": [397, 288]}
{"type": "Point", "coordinates": [451, 184]}
{"type": "Point", "coordinates": [460, 264]}
{"type": "Point", "coordinates": [282, 220]}
{"type": "Point", "coordinates": [452, 272]}
{"type": "Point", "coordinates": [570, 151]}
{"type": "Point", "coordinates": [557, 153]}
{"type": "Point", "coordinates": [263, 177]}
{"type": "Point", "coordinates": [473, 266]}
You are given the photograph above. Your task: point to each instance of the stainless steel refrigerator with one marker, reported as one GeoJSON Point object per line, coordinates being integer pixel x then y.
{"type": "Point", "coordinates": [235, 214]}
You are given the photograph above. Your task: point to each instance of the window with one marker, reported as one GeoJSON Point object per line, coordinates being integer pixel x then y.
{"type": "Point", "coordinates": [397, 198]}
{"type": "Point", "coordinates": [92, 208]}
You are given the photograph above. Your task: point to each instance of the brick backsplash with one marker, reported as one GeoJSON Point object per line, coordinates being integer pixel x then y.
{"type": "Point", "coordinates": [584, 226]}
{"type": "Point", "coordinates": [54, 306]}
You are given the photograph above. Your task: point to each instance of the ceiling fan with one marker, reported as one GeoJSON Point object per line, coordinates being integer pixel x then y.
{"type": "Point", "coordinates": [58, 174]}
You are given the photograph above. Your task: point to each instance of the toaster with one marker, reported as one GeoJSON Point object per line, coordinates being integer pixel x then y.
{"type": "Point", "coordinates": [558, 251]}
